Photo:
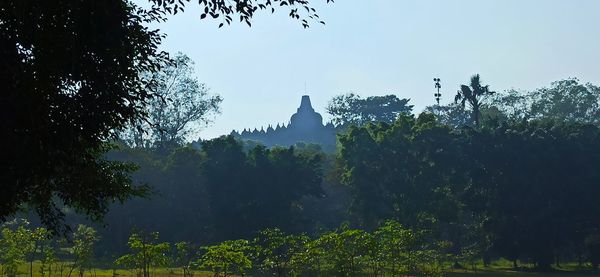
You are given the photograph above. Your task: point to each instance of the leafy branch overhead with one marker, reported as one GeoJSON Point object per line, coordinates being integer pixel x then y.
{"type": "Point", "coordinates": [244, 9]}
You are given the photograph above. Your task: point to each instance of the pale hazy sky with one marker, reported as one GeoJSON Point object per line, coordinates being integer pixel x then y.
{"type": "Point", "coordinates": [376, 47]}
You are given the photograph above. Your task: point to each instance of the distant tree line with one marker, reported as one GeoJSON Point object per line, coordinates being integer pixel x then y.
{"type": "Point", "coordinates": [226, 189]}
{"type": "Point", "coordinates": [566, 100]}
{"type": "Point", "coordinates": [351, 109]}
{"type": "Point", "coordinates": [520, 184]}
{"type": "Point", "coordinates": [506, 174]}
{"type": "Point", "coordinates": [498, 175]}
{"type": "Point", "coordinates": [524, 191]}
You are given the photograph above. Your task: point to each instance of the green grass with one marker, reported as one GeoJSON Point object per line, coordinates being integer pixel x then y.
{"type": "Point", "coordinates": [504, 268]}
{"type": "Point", "coordinates": [98, 272]}
{"type": "Point", "coordinates": [512, 273]}
{"type": "Point", "coordinates": [498, 269]}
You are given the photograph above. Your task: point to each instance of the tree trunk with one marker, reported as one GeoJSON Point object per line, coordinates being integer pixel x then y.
{"type": "Point", "coordinates": [486, 259]}
{"type": "Point", "coordinates": [476, 114]}
{"type": "Point", "coordinates": [544, 265]}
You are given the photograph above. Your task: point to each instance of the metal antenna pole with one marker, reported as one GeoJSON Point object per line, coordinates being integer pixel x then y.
{"type": "Point", "coordinates": [438, 86]}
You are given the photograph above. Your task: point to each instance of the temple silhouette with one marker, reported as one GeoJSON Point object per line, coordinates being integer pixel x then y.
{"type": "Point", "coordinates": [305, 125]}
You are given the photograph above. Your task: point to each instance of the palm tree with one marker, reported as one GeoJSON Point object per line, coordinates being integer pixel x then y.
{"type": "Point", "coordinates": [473, 95]}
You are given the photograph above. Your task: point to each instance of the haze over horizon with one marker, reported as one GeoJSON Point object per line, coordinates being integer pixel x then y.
{"type": "Point", "coordinates": [383, 47]}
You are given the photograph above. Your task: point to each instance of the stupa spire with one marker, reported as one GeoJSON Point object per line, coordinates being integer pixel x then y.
{"type": "Point", "coordinates": [305, 103]}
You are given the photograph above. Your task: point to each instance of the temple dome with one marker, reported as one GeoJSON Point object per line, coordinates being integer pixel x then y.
{"type": "Point", "coordinates": [305, 125]}
{"type": "Point", "coordinates": [306, 117]}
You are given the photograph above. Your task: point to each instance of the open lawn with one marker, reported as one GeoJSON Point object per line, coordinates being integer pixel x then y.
{"type": "Point", "coordinates": [495, 271]}
{"type": "Point", "coordinates": [512, 273]}
{"type": "Point", "coordinates": [97, 272]}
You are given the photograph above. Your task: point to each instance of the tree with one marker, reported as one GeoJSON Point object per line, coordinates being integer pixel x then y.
{"type": "Point", "coordinates": [352, 109]}
{"type": "Point", "coordinates": [401, 171]}
{"type": "Point", "coordinates": [69, 81]}
{"type": "Point", "coordinates": [257, 189]}
{"type": "Point", "coordinates": [84, 239]}
{"type": "Point", "coordinates": [564, 100]}
{"type": "Point", "coordinates": [72, 79]}
{"type": "Point", "coordinates": [343, 250]}
{"type": "Point", "coordinates": [226, 257]}
{"type": "Point", "coordinates": [38, 239]}
{"type": "Point", "coordinates": [179, 107]}
{"type": "Point", "coordinates": [147, 253]}
{"type": "Point", "coordinates": [405, 251]}
{"type": "Point", "coordinates": [395, 244]}
{"type": "Point", "coordinates": [312, 261]}
{"type": "Point", "coordinates": [473, 95]}
{"type": "Point", "coordinates": [567, 100]}
{"type": "Point", "coordinates": [514, 104]}
{"type": "Point", "coordinates": [48, 257]}
{"type": "Point", "coordinates": [185, 254]}
{"type": "Point", "coordinates": [275, 250]}
{"type": "Point", "coordinates": [532, 182]}
{"type": "Point", "coordinates": [14, 243]}
{"type": "Point", "coordinates": [453, 114]}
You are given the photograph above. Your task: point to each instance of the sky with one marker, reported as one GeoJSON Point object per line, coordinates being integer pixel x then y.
{"type": "Point", "coordinates": [379, 47]}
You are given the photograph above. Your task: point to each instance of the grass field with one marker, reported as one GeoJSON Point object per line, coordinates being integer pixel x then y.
{"type": "Point", "coordinates": [497, 270]}
{"type": "Point", "coordinates": [97, 272]}
{"type": "Point", "coordinates": [511, 273]}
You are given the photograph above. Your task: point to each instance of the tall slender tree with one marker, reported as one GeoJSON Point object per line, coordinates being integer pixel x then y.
{"type": "Point", "coordinates": [473, 96]}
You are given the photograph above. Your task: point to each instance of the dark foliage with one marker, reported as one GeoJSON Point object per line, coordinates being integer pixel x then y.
{"type": "Point", "coordinates": [535, 182]}
{"type": "Point", "coordinates": [70, 73]}
{"type": "Point", "coordinates": [226, 11]}
{"type": "Point", "coordinates": [252, 191]}
{"type": "Point", "coordinates": [72, 77]}
{"type": "Point", "coordinates": [401, 171]}
{"type": "Point", "coordinates": [524, 191]}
